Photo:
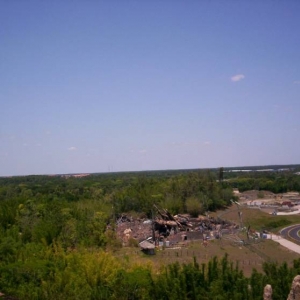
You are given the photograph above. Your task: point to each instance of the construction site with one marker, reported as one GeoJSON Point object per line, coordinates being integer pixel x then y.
{"type": "Point", "coordinates": [169, 231]}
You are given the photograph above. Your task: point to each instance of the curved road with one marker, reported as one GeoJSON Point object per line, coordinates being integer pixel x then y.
{"type": "Point", "coordinates": [291, 232]}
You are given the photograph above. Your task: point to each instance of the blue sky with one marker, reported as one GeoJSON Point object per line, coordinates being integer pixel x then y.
{"type": "Point", "coordinates": [98, 86]}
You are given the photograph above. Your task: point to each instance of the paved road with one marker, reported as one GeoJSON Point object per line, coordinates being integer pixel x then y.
{"type": "Point", "coordinates": [291, 232]}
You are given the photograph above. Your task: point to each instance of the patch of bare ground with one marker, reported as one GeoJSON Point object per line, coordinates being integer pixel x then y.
{"type": "Point", "coordinates": [276, 252]}
{"type": "Point", "coordinates": [254, 195]}
{"type": "Point", "coordinates": [246, 258]}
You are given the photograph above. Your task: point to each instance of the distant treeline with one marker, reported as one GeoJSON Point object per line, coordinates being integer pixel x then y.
{"type": "Point", "coordinates": [124, 191]}
{"type": "Point", "coordinates": [276, 182]}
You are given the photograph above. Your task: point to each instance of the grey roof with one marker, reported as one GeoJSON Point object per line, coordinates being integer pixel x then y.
{"type": "Point", "coordinates": [146, 245]}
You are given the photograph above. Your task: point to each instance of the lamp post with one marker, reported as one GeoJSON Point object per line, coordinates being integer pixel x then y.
{"type": "Point", "coordinates": [152, 227]}
{"type": "Point", "coordinates": [239, 211]}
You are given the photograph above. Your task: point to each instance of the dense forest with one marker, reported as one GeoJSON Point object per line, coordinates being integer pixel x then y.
{"type": "Point", "coordinates": [273, 181]}
{"type": "Point", "coordinates": [55, 242]}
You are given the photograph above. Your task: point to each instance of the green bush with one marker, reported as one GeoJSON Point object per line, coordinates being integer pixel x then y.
{"type": "Point", "coordinates": [277, 223]}
{"type": "Point", "coordinates": [133, 242]}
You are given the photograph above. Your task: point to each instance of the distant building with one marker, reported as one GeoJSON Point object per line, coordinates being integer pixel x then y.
{"type": "Point", "coordinates": [147, 247]}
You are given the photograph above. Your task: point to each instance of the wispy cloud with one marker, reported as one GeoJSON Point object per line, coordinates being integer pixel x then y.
{"type": "Point", "coordinates": [177, 144]}
{"type": "Point", "coordinates": [189, 144]}
{"type": "Point", "coordinates": [237, 77]}
{"type": "Point", "coordinates": [207, 143]}
{"type": "Point", "coordinates": [297, 82]}
{"type": "Point", "coordinates": [72, 148]}
{"type": "Point", "coordinates": [138, 150]}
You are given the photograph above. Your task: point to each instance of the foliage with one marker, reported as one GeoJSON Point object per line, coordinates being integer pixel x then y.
{"type": "Point", "coordinates": [50, 272]}
{"type": "Point", "coordinates": [57, 235]}
{"type": "Point", "coordinates": [277, 223]}
{"type": "Point", "coordinates": [193, 206]}
{"type": "Point", "coordinates": [275, 181]}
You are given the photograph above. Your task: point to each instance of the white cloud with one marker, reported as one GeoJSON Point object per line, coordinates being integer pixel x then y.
{"type": "Point", "coordinates": [143, 151]}
{"type": "Point", "coordinates": [207, 143]}
{"type": "Point", "coordinates": [72, 148]}
{"type": "Point", "coordinates": [237, 77]}
{"type": "Point", "coordinates": [297, 82]}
